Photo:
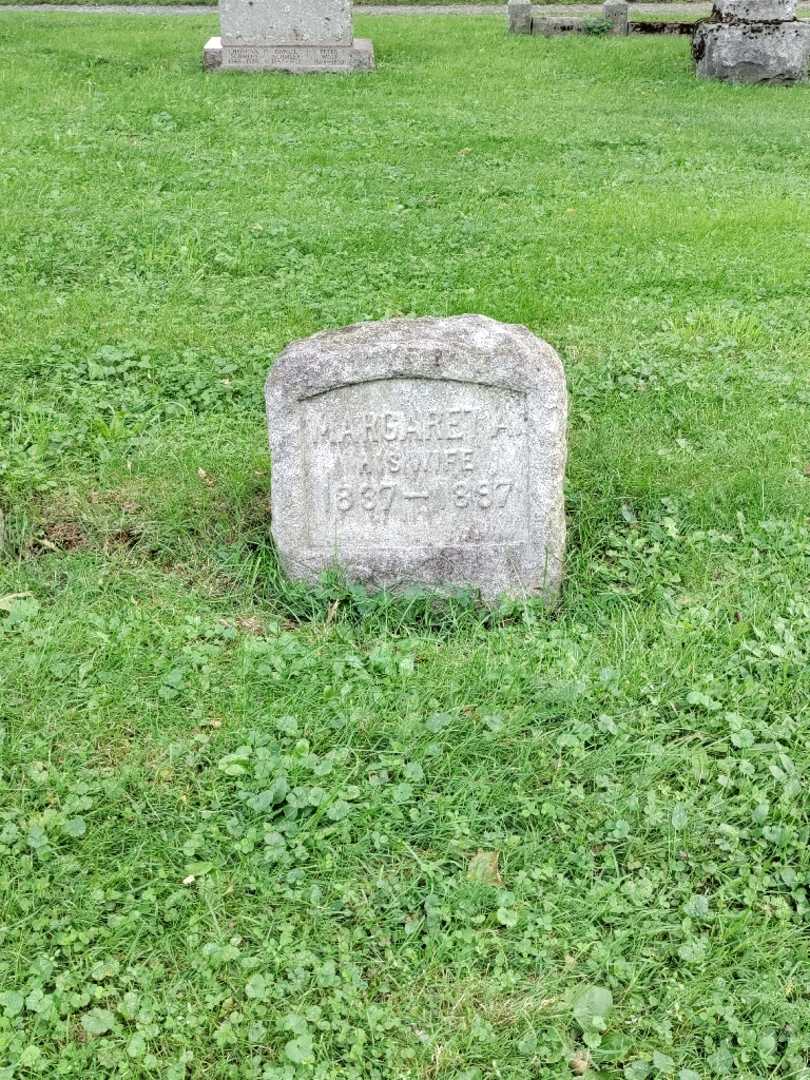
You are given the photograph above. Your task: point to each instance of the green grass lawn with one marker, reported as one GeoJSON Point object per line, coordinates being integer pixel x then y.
{"type": "Point", "coordinates": [239, 820]}
{"type": "Point", "coordinates": [173, 3]}
{"type": "Point", "coordinates": [203, 3]}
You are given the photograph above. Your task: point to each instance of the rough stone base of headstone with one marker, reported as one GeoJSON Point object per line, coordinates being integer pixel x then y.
{"type": "Point", "coordinates": [752, 52]}
{"type": "Point", "coordinates": [296, 59]}
{"type": "Point", "coordinates": [421, 454]}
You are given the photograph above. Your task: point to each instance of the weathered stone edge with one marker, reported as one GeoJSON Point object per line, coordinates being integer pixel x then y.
{"type": "Point", "coordinates": [329, 360]}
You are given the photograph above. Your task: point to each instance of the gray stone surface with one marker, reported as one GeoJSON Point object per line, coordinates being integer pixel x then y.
{"type": "Point", "coordinates": [519, 14]}
{"type": "Point", "coordinates": [285, 22]}
{"type": "Point", "coordinates": [301, 36]}
{"type": "Point", "coordinates": [296, 59]}
{"type": "Point", "coordinates": [617, 12]}
{"type": "Point", "coordinates": [754, 10]}
{"type": "Point", "coordinates": [752, 52]}
{"type": "Point", "coordinates": [421, 453]}
{"type": "Point", "coordinates": [212, 54]}
{"type": "Point", "coordinates": [545, 26]}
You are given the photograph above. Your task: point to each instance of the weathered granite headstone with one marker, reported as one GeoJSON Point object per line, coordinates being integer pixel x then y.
{"type": "Point", "coordinates": [519, 14]}
{"type": "Point", "coordinates": [302, 36]}
{"type": "Point", "coordinates": [617, 13]}
{"type": "Point", "coordinates": [421, 453]}
{"type": "Point", "coordinates": [753, 41]}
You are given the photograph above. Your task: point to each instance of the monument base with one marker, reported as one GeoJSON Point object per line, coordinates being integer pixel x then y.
{"type": "Point", "coordinates": [297, 59]}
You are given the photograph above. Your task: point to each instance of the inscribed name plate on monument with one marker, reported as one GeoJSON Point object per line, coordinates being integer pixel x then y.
{"type": "Point", "coordinates": [293, 57]}
{"type": "Point", "coordinates": [421, 453]}
{"type": "Point", "coordinates": [399, 461]}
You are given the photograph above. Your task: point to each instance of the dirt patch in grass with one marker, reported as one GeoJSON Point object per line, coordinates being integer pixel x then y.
{"type": "Point", "coordinates": [61, 535]}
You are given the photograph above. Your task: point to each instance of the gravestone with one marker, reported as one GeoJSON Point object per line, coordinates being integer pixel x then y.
{"type": "Point", "coordinates": [753, 41]}
{"type": "Point", "coordinates": [426, 453]}
{"type": "Point", "coordinates": [519, 15]}
{"type": "Point", "coordinates": [617, 13]}
{"type": "Point", "coordinates": [301, 36]}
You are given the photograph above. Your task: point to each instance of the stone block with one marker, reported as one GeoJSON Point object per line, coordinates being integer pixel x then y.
{"type": "Point", "coordinates": [212, 54]}
{"type": "Point", "coordinates": [617, 13]}
{"type": "Point", "coordinates": [421, 453]}
{"type": "Point", "coordinates": [734, 11]}
{"type": "Point", "coordinates": [520, 17]}
{"type": "Point", "coordinates": [664, 26]}
{"type": "Point", "coordinates": [551, 26]}
{"type": "Point", "coordinates": [285, 22]}
{"type": "Point", "coordinates": [300, 36]}
{"type": "Point", "coordinates": [752, 52]}
{"type": "Point", "coordinates": [295, 59]}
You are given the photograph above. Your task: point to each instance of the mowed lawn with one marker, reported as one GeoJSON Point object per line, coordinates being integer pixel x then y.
{"type": "Point", "coordinates": [253, 831]}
